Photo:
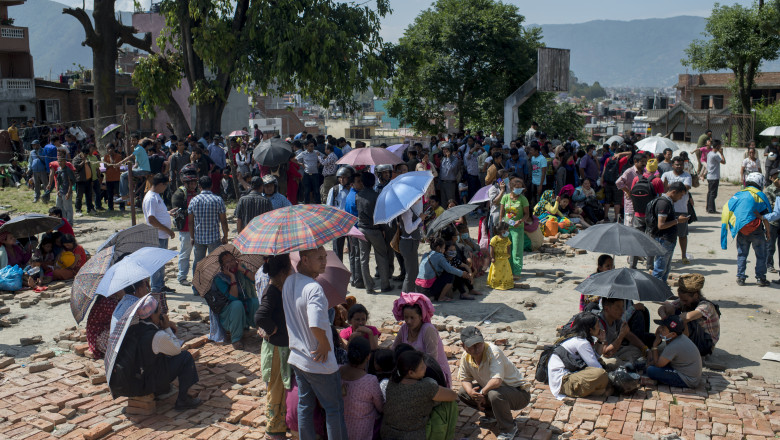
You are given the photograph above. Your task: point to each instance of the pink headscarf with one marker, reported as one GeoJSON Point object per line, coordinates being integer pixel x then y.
{"type": "Point", "coordinates": [567, 190]}
{"type": "Point", "coordinates": [411, 299]}
{"type": "Point", "coordinates": [147, 307]}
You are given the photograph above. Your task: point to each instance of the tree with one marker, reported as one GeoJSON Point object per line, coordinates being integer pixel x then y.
{"type": "Point", "coordinates": [322, 49]}
{"type": "Point", "coordinates": [104, 38]}
{"type": "Point", "coordinates": [562, 119]}
{"type": "Point", "coordinates": [461, 55]}
{"type": "Point", "coordinates": [579, 89]}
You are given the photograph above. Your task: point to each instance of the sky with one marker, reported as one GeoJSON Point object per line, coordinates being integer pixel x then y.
{"type": "Point", "coordinates": [535, 11]}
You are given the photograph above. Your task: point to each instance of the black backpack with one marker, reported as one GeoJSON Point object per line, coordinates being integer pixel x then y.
{"type": "Point", "coordinates": [215, 299]}
{"type": "Point", "coordinates": [126, 376]}
{"type": "Point", "coordinates": [612, 170]}
{"type": "Point", "coordinates": [651, 217]}
{"type": "Point", "coordinates": [641, 194]}
{"type": "Point", "coordinates": [569, 362]}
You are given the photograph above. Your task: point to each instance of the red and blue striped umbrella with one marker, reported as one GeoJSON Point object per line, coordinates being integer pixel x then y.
{"type": "Point", "coordinates": [293, 228]}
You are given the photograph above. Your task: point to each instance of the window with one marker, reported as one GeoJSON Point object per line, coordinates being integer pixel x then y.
{"type": "Point", "coordinates": [711, 101]}
{"type": "Point", "coordinates": [49, 109]}
{"type": "Point", "coordinates": [130, 101]}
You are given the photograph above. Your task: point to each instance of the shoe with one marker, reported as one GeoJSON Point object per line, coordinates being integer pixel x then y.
{"type": "Point", "coordinates": [35, 200]}
{"type": "Point", "coordinates": [399, 278]}
{"type": "Point", "coordinates": [741, 282]}
{"type": "Point", "coordinates": [376, 275]}
{"type": "Point", "coordinates": [508, 435]}
{"type": "Point", "coordinates": [762, 282]}
{"type": "Point", "coordinates": [100, 208]}
{"type": "Point", "coordinates": [188, 403]}
{"type": "Point", "coordinates": [92, 212]}
{"type": "Point", "coordinates": [771, 269]}
{"type": "Point", "coordinates": [685, 261]}
{"type": "Point", "coordinates": [167, 289]}
{"type": "Point", "coordinates": [486, 420]}
{"type": "Point", "coordinates": [387, 289]}
{"type": "Point", "coordinates": [360, 285]}
{"type": "Point", "coordinates": [185, 283]}
{"type": "Point", "coordinates": [371, 291]}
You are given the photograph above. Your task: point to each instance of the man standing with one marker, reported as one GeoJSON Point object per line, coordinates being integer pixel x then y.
{"type": "Point", "coordinates": [747, 214]}
{"type": "Point", "coordinates": [93, 159]}
{"type": "Point", "coordinates": [589, 168]}
{"type": "Point", "coordinates": [270, 191]}
{"type": "Point", "coordinates": [83, 181]}
{"type": "Point", "coordinates": [337, 197]}
{"type": "Point", "coordinates": [156, 214]}
{"type": "Point", "coordinates": [39, 170]}
{"type": "Point", "coordinates": [205, 213]}
{"type": "Point", "coordinates": [678, 174]}
{"type": "Point", "coordinates": [666, 165]}
{"type": "Point", "coordinates": [365, 201]}
{"type": "Point", "coordinates": [499, 385]}
{"type": "Point", "coordinates": [538, 174]}
{"type": "Point", "coordinates": [624, 183]}
{"type": "Point", "coordinates": [63, 176]}
{"type": "Point", "coordinates": [252, 204]}
{"type": "Point", "coordinates": [311, 348]}
{"type": "Point", "coordinates": [471, 161]}
{"type": "Point", "coordinates": [180, 201]}
{"type": "Point", "coordinates": [311, 176]}
{"type": "Point", "coordinates": [663, 227]}
{"type": "Point", "coordinates": [448, 174]}
{"type": "Point", "coordinates": [217, 155]}
{"type": "Point", "coordinates": [530, 135]}
{"type": "Point", "coordinates": [177, 161]}
{"type": "Point", "coordinates": [715, 159]}
{"type": "Point", "coordinates": [410, 236]}
{"type": "Point", "coordinates": [329, 168]}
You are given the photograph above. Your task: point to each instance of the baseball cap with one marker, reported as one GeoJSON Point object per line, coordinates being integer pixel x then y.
{"type": "Point", "coordinates": [673, 323]}
{"type": "Point", "coordinates": [470, 336]}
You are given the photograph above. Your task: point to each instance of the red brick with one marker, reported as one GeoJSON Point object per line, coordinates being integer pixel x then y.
{"type": "Point", "coordinates": [543, 434]}
{"type": "Point", "coordinates": [619, 414]}
{"type": "Point", "coordinates": [629, 428]}
{"type": "Point", "coordinates": [43, 425]}
{"type": "Point", "coordinates": [615, 426]}
{"type": "Point", "coordinates": [602, 421]}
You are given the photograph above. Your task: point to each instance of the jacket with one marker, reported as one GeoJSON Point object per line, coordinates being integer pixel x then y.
{"type": "Point", "coordinates": [82, 164]}
{"type": "Point", "coordinates": [739, 211]}
{"type": "Point", "coordinates": [434, 264]}
{"type": "Point", "coordinates": [366, 204]}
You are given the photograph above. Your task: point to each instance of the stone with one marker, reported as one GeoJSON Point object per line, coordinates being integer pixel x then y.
{"type": "Point", "coordinates": [581, 252]}
{"type": "Point", "coordinates": [97, 431]}
{"type": "Point", "coordinates": [5, 310]}
{"type": "Point", "coordinates": [37, 367]}
{"type": "Point", "coordinates": [54, 418]}
{"type": "Point", "coordinates": [560, 273]}
{"type": "Point", "coordinates": [48, 354]}
{"type": "Point", "coordinates": [25, 304]}
{"type": "Point", "coordinates": [559, 281]}
{"type": "Point", "coordinates": [31, 341]}
{"type": "Point", "coordinates": [8, 321]}
{"type": "Point", "coordinates": [523, 286]}
{"type": "Point", "coordinates": [6, 361]}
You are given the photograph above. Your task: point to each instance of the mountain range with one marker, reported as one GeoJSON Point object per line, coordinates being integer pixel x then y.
{"type": "Point", "coordinates": [636, 53]}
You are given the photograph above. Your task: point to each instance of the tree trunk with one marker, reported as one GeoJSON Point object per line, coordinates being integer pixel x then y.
{"type": "Point", "coordinates": [179, 120]}
{"type": "Point", "coordinates": [104, 55]}
{"type": "Point", "coordinates": [208, 117]}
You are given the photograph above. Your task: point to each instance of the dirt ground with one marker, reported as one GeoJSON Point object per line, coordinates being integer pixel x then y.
{"type": "Point", "coordinates": [749, 325]}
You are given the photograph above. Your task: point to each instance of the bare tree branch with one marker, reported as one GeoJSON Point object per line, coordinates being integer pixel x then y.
{"type": "Point", "coordinates": [81, 15]}
{"type": "Point", "coordinates": [126, 37]}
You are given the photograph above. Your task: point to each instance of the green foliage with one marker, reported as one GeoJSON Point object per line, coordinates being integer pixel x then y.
{"type": "Point", "coordinates": [155, 76]}
{"type": "Point", "coordinates": [464, 56]}
{"type": "Point", "coordinates": [578, 89]}
{"type": "Point", "coordinates": [767, 115]}
{"type": "Point", "coordinates": [557, 118]}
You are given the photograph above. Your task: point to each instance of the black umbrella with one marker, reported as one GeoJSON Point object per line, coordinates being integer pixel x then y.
{"type": "Point", "coordinates": [626, 283]}
{"type": "Point", "coordinates": [449, 216]}
{"type": "Point", "coordinates": [273, 152]}
{"type": "Point", "coordinates": [28, 225]}
{"type": "Point", "coordinates": [130, 240]}
{"type": "Point", "coordinates": [616, 239]}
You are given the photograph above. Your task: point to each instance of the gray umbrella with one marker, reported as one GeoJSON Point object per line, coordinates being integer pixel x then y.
{"type": "Point", "coordinates": [616, 239]}
{"type": "Point", "coordinates": [130, 240]}
{"type": "Point", "coordinates": [28, 225]}
{"type": "Point", "coordinates": [449, 216]}
{"type": "Point", "coordinates": [626, 283]}
{"type": "Point", "coordinates": [273, 152]}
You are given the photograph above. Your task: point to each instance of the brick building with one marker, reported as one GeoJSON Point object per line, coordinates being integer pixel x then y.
{"type": "Point", "coordinates": [17, 97]}
{"type": "Point", "coordinates": [293, 120]}
{"type": "Point", "coordinates": [712, 91]}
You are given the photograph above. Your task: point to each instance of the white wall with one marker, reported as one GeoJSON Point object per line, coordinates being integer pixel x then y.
{"type": "Point", "coordinates": [734, 157]}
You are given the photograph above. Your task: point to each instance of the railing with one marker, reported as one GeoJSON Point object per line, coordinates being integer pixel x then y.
{"type": "Point", "coordinates": [12, 32]}
{"type": "Point", "coordinates": [17, 84]}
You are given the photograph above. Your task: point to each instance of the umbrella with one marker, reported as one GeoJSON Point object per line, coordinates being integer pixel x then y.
{"type": "Point", "coordinates": [625, 283]}
{"type": "Point", "coordinates": [82, 293]}
{"type": "Point", "coordinates": [398, 149]}
{"type": "Point", "coordinates": [616, 239]}
{"type": "Point", "coordinates": [355, 232]}
{"type": "Point", "coordinates": [614, 138]}
{"type": "Point", "coordinates": [335, 279]}
{"type": "Point", "coordinates": [238, 133]}
{"type": "Point", "coordinates": [481, 195]}
{"type": "Point", "coordinates": [369, 156]}
{"type": "Point", "coordinates": [135, 267]}
{"type": "Point", "coordinates": [118, 335]}
{"type": "Point", "coordinates": [110, 129]}
{"type": "Point", "coordinates": [131, 239]}
{"type": "Point", "coordinates": [400, 194]}
{"type": "Point", "coordinates": [449, 216]}
{"type": "Point", "coordinates": [273, 152]}
{"type": "Point", "coordinates": [28, 225]}
{"type": "Point", "coordinates": [294, 228]}
{"type": "Point", "coordinates": [656, 144]}
{"type": "Point", "coordinates": [209, 267]}
{"type": "Point", "coordinates": [771, 131]}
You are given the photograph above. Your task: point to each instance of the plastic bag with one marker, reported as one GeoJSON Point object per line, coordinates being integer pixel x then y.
{"type": "Point", "coordinates": [11, 278]}
{"type": "Point", "coordinates": [624, 382]}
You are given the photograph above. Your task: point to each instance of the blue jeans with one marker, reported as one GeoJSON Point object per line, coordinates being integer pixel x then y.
{"type": "Point", "coordinates": [185, 249]}
{"type": "Point", "coordinates": [663, 262]}
{"type": "Point", "coordinates": [200, 253]}
{"type": "Point", "coordinates": [158, 278]}
{"type": "Point", "coordinates": [325, 388]}
{"type": "Point", "coordinates": [757, 239]}
{"type": "Point", "coordinates": [666, 375]}
{"type": "Point", "coordinates": [124, 185]}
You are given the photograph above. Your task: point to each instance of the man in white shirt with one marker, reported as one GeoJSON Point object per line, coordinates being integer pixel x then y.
{"type": "Point", "coordinates": [156, 214]}
{"type": "Point", "coordinates": [311, 348]}
{"type": "Point", "coordinates": [410, 236]}
{"type": "Point", "coordinates": [678, 174]}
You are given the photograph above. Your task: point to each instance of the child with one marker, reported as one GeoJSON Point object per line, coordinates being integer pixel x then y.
{"type": "Point", "coordinates": [381, 365]}
{"type": "Point", "coordinates": [603, 264]}
{"type": "Point", "coordinates": [357, 318]}
{"type": "Point", "coordinates": [679, 365]}
{"type": "Point", "coordinates": [461, 284]}
{"type": "Point", "coordinates": [500, 273]}
{"type": "Point", "coordinates": [477, 259]}
{"type": "Point", "coordinates": [363, 401]}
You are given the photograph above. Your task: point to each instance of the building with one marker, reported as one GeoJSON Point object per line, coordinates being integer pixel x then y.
{"type": "Point", "coordinates": [17, 91]}
{"type": "Point", "coordinates": [712, 90]}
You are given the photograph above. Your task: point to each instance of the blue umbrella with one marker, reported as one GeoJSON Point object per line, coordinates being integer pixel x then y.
{"type": "Point", "coordinates": [400, 194]}
{"type": "Point", "coordinates": [135, 267]}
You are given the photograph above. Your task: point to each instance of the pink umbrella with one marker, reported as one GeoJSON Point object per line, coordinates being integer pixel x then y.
{"type": "Point", "coordinates": [481, 195]}
{"type": "Point", "coordinates": [238, 133]}
{"type": "Point", "coordinates": [334, 281]}
{"type": "Point", "coordinates": [355, 232]}
{"type": "Point", "coordinates": [369, 156]}
{"type": "Point", "coordinates": [398, 149]}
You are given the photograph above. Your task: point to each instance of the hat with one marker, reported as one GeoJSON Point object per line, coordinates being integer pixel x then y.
{"type": "Point", "coordinates": [269, 179]}
{"type": "Point", "coordinates": [147, 308]}
{"type": "Point", "coordinates": [470, 336]}
{"type": "Point", "coordinates": [690, 283]}
{"type": "Point", "coordinates": [652, 165]}
{"type": "Point", "coordinates": [673, 323]}
{"type": "Point", "coordinates": [757, 179]}
{"type": "Point", "coordinates": [35, 142]}
{"type": "Point", "coordinates": [774, 171]}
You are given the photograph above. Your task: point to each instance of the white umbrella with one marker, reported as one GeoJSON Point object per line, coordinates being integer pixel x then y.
{"type": "Point", "coordinates": [614, 138]}
{"type": "Point", "coordinates": [771, 131]}
{"type": "Point", "coordinates": [656, 144]}
{"type": "Point", "coordinates": [135, 267]}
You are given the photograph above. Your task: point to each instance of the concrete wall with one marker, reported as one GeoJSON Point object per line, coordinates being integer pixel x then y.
{"type": "Point", "coordinates": [734, 157]}
{"type": "Point", "coordinates": [236, 113]}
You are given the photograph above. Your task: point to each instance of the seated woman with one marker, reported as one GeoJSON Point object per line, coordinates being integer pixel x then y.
{"type": "Point", "coordinates": [99, 324]}
{"type": "Point", "coordinates": [45, 259]}
{"type": "Point", "coordinates": [11, 253]}
{"type": "Point", "coordinates": [584, 198]}
{"type": "Point", "coordinates": [477, 258]}
{"type": "Point", "coordinates": [590, 380]}
{"type": "Point", "coordinates": [552, 212]}
{"type": "Point", "coordinates": [363, 400]}
{"type": "Point", "coordinates": [70, 259]}
{"type": "Point", "coordinates": [436, 275]}
{"type": "Point", "coordinates": [238, 285]}
{"type": "Point", "coordinates": [416, 311]}
{"type": "Point", "coordinates": [460, 284]}
{"type": "Point", "coordinates": [411, 398]}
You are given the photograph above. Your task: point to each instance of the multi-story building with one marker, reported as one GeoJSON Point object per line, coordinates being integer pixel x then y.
{"type": "Point", "coordinates": [17, 84]}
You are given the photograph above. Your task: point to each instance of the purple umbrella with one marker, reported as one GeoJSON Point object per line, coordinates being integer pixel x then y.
{"type": "Point", "coordinates": [398, 149]}
{"type": "Point", "coordinates": [110, 129]}
{"type": "Point", "coordinates": [481, 195]}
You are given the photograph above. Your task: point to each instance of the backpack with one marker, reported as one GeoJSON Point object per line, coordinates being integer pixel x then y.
{"type": "Point", "coordinates": [569, 362]}
{"type": "Point", "coordinates": [612, 170]}
{"type": "Point", "coordinates": [126, 377]}
{"type": "Point", "coordinates": [215, 299]}
{"type": "Point", "coordinates": [651, 217]}
{"type": "Point", "coordinates": [641, 194]}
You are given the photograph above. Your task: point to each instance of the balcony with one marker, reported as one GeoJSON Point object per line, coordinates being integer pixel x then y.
{"type": "Point", "coordinates": [14, 39]}
{"type": "Point", "coordinates": [17, 89]}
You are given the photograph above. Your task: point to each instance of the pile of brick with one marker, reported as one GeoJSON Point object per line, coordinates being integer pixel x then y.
{"type": "Point", "coordinates": [65, 396]}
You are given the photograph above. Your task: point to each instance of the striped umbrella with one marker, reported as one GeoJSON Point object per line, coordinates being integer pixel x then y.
{"type": "Point", "coordinates": [82, 293]}
{"type": "Point", "coordinates": [293, 228]}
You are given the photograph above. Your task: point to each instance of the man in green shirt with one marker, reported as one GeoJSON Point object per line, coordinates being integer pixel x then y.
{"type": "Point", "coordinates": [703, 138]}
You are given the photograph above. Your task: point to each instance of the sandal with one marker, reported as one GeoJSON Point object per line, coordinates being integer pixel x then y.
{"type": "Point", "coordinates": [238, 345]}
{"type": "Point", "coordinates": [466, 296]}
{"type": "Point", "coordinates": [445, 299]}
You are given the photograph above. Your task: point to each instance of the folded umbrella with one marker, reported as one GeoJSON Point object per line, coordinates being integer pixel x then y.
{"type": "Point", "coordinates": [656, 144]}
{"type": "Point", "coordinates": [400, 194]}
{"type": "Point", "coordinates": [335, 279]}
{"type": "Point", "coordinates": [273, 152]}
{"type": "Point", "coordinates": [481, 195]}
{"type": "Point", "coordinates": [131, 239]}
{"type": "Point", "coordinates": [616, 239]}
{"type": "Point", "coordinates": [369, 156]}
{"type": "Point", "coordinates": [118, 335]}
{"type": "Point", "coordinates": [293, 228]}
{"type": "Point", "coordinates": [398, 149]}
{"type": "Point", "coordinates": [135, 267]}
{"type": "Point", "coordinates": [27, 225]}
{"type": "Point", "coordinates": [448, 217]}
{"type": "Point", "coordinates": [82, 293]}
{"type": "Point", "coordinates": [208, 267]}
{"type": "Point", "coordinates": [625, 283]}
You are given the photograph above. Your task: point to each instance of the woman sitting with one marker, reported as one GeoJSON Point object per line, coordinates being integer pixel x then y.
{"type": "Point", "coordinates": [411, 398]}
{"type": "Point", "coordinates": [238, 285]}
{"type": "Point", "coordinates": [581, 374]}
{"type": "Point", "coordinates": [363, 400]}
{"type": "Point", "coordinates": [11, 253]}
{"type": "Point", "coordinates": [461, 284]}
{"type": "Point", "coordinates": [436, 274]}
{"type": "Point", "coordinates": [99, 324]}
{"type": "Point", "coordinates": [585, 200]}
{"type": "Point", "coordinates": [552, 212]}
{"type": "Point", "coordinates": [44, 259]}
{"type": "Point", "coordinates": [70, 259]}
{"type": "Point", "coordinates": [477, 258]}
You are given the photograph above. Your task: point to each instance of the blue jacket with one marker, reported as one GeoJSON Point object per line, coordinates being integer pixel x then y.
{"type": "Point", "coordinates": [739, 211]}
{"type": "Point", "coordinates": [433, 264]}
{"type": "Point", "coordinates": [37, 164]}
